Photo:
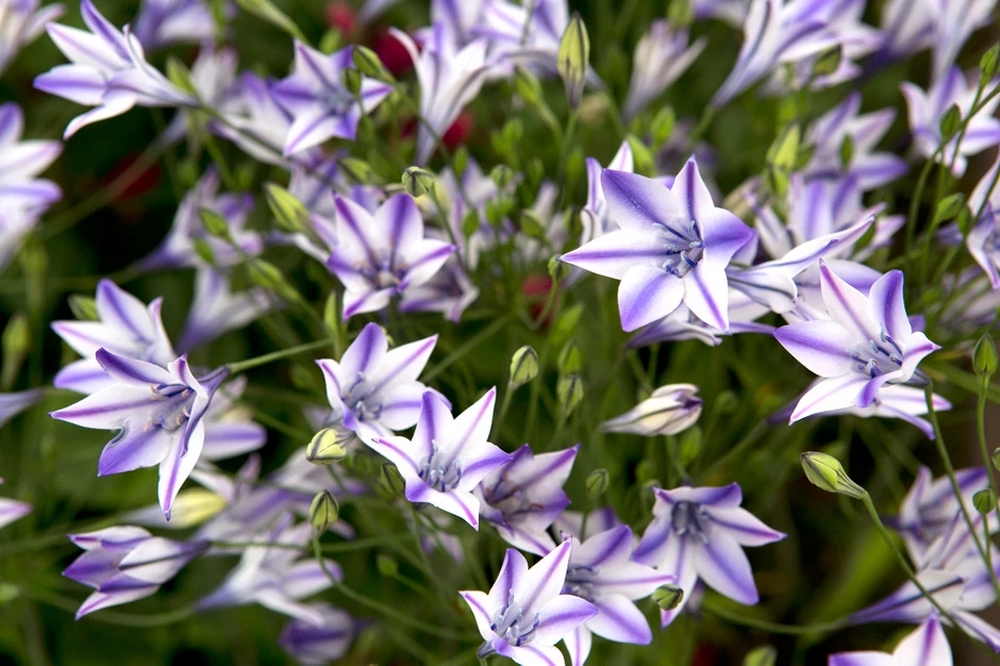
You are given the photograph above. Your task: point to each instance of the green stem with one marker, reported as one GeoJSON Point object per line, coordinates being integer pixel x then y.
{"type": "Point", "coordinates": [984, 386]}
{"type": "Point", "coordinates": [242, 366]}
{"type": "Point", "coordinates": [470, 344]}
{"type": "Point", "coordinates": [715, 608]}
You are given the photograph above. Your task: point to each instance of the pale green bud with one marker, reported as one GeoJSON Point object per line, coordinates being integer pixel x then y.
{"type": "Point", "coordinates": [597, 483]}
{"type": "Point", "coordinates": [573, 58]}
{"type": "Point", "coordinates": [996, 458]}
{"type": "Point", "coordinates": [323, 511]}
{"type": "Point", "coordinates": [984, 356]}
{"type": "Point", "coordinates": [387, 566]}
{"type": "Point", "coordinates": [290, 213]}
{"type": "Point", "coordinates": [369, 64]}
{"type": "Point", "coordinates": [329, 445]}
{"type": "Point", "coordinates": [826, 472]}
{"type": "Point", "coordinates": [265, 274]}
{"type": "Point", "coordinates": [765, 655]}
{"type": "Point", "coordinates": [950, 122]}
{"type": "Point", "coordinates": [179, 75]}
{"type": "Point", "coordinates": [390, 481]}
{"type": "Point", "coordinates": [667, 597]}
{"type": "Point", "coordinates": [569, 391]}
{"type": "Point", "coordinates": [828, 61]}
{"type": "Point", "coordinates": [84, 308]}
{"type": "Point", "coordinates": [351, 80]}
{"type": "Point", "coordinates": [570, 360]}
{"type": "Point", "coordinates": [16, 344]}
{"type": "Point", "coordinates": [417, 181]}
{"type": "Point", "coordinates": [357, 170]}
{"type": "Point", "coordinates": [214, 223]}
{"type": "Point", "coordinates": [558, 270]}
{"type": "Point", "coordinates": [523, 366]}
{"type": "Point", "coordinates": [985, 501]}
{"type": "Point", "coordinates": [988, 64]}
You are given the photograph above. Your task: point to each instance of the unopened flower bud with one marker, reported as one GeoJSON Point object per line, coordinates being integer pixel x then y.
{"type": "Point", "coordinates": [214, 223]}
{"type": "Point", "coordinates": [323, 511]}
{"type": "Point", "coordinates": [669, 410]}
{"type": "Point", "coordinates": [417, 181]}
{"type": "Point", "coordinates": [265, 274]}
{"type": "Point", "coordinates": [984, 356]}
{"type": "Point", "coordinates": [329, 445]}
{"type": "Point", "coordinates": [369, 64]}
{"type": "Point", "coordinates": [290, 213]}
{"type": "Point", "coordinates": [573, 58]}
{"type": "Point", "coordinates": [828, 61]}
{"type": "Point", "coordinates": [179, 75]}
{"type": "Point", "coordinates": [826, 472]}
{"type": "Point", "coordinates": [988, 64]}
{"type": "Point", "coordinates": [558, 270]}
{"type": "Point", "coordinates": [950, 122]}
{"type": "Point", "coordinates": [985, 501]}
{"type": "Point", "coordinates": [597, 483]}
{"type": "Point", "coordinates": [523, 366]}
{"type": "Point", "coordinates": [390, 481]}
{"type": "Point", "coordinates": [351, 80]}
{"type": "Point", "coordinates": [569, 391]}
{"type": "Point", "coordinates": [357, 170]}
{"type": "Point", "coordinates": [16, 344]}
{"type": "Point", "coordinates": [84, 308]}
{"type": "Point", "coordinates": [668, 597]}
{"type": "Point", "coordinates": [387, 566]}
{"type": "Point", "coordinates": [764, 655]}
{"type": "Point", "coordinates": [570, 361]}
{"type": "Point", "coordinates": [502, 175]}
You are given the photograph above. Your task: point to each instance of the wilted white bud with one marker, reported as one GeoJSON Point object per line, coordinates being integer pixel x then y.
{"type": "Point", "coordinates": [669, 410]}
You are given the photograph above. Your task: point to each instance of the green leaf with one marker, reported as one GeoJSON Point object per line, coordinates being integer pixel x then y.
{"type": "Point", "coordinates": [265, 10]}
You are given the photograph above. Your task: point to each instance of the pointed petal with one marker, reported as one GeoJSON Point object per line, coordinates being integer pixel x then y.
{"type": "Point", "coordinates": [544, 580]}
{"type": "Point", "coordinates": [614, 253]}
{"type": "Point", "coordinates": [638, 203]}
{"type": "Point", "coordinates": [724, 567]}
{"type": "Point", "coordinates": [647, 294]}
{"type": "Point", "coordinates": [706, 293]}
{"type": "Point", "coordinates": [560, 615]}
{"type": "Point", "coordinates": [821, 346]}
{"type": "Point", "coordinates": [620, 620]}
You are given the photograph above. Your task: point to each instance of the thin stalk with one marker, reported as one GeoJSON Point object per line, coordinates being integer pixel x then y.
{"type": "Point", "coordinates": [984, 386]}
{"type": "Point", "coordinates": [243, 366]}
{"type": "Point", "coordinates": [470, 344]}
{"type": "Point", "coordinates": [714, 608]}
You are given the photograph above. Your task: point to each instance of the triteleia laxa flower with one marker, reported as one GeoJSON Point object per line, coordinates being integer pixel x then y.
{"type": "Point", "coordinates": [373, 390]}
{"type": "Point", "coordinates": [312, 645]}
{"type": "Point", "coordinates": [867, 342]}
{"type": "Point", "coordinates": [127, 563]}
{"type": "Point", "coordinates": [21, 22]}
{"type": "Point", "coordinates": [983, 240]}
{"type": "Point", "coordinates": [601, 571]}
{"type": "Point", "coordinates": [699, 534]}
{"type": "Point", "coordinates": [661, 56]}
{"type": "Point", "coordinates": [673, 246]}
{"type": "Point", "coordinates": [925, 110]}
{"type": "Point", "coordinates": [109, 71]}
{"type": "Point", "coordinates": [448, 456]}
{"type": "Point", "coordinates": [524, 614]}
{"type": "Point", "coordinates": [522, 498]}
{"type": "Point", "coordinates": [11, 510]}
{"type": "Point", "coordinates": [315, 97]}
{"type": "Point", "coordinates": [668, 410]}
{"type": "Point", "coordinates": [125, 327]}
{"type": "Point", "coordinates": [380, 256]}
{"type": "Point", "coordinates": [925, 646]}
{"type": "Point", "coordinates": [595, 216]}
{"type": "Point", "coordinates": [161, 23]}
{"type": "Point", "coordinates": [217, 309]}
{"type": "Point", "coordinates": [12, 404]}
{"type": "Point", "coordinates": [158, 413]}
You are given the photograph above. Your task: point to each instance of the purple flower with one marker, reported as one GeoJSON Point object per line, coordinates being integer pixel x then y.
{"type": "Point", "coordinates": [524, 497]}
{"type": "Point", "coordinates": [315, 97]}
{"type": "Point", "coordinates": [925, 110]}
{"type": "Point", "coordinates": [449, 292]}
{"type": "Point", "coordinates": [158, 414]}
{"type": "Point", "coordinates": [109, 72]}
{"type": "Point", "coordinates": [661, 56]}
{"type": "Point", "coordinates": [449, 80]}
{"type": "Point", "coordinates": [162, 23]}
{"type": "Point", "coordinates": [382, 255]}
{"type": "Point", "coordinates": [983, 240]}
{"type": "Point", "coordinates": [896, 401]}
{"type": "Point", "coordinates": [458, 17]}
{"type": "Point", "coordinates": [276, 576]}
{"type": "Point", "coordinates": [699, 534]}
{"type": "Point", "coordinates": [595, 215]}
{"type": "Point", "coordinates": [312, 645]}
{"type": "Point", "coordinates": [21, 22]}
{"type": "Point", "coordinates": [374, 390]}
{"type": "Point", "coordinates": [524, 614]}
{"type": "Point", "coordinates": [669, 410]}
{"type": "Point", "coordinates": [842, 123]}
{"type": "Point", "coordinates": [124, 564]}
{"type": "Point", "coordinates": [178, 248]}
{"type": "Point", "coordinates": [867, 342]}
{"type": "Point", "coordinates": [217, 309]}
{"type": "Point", "coordinates": [12, 404]}
{"type": "Point", "coordinates": [125, 327]}
{"type": "Point", "coordinates": [673, 246]}
{"type": "Point", "coordinates": [255, 121]}
{"type": "Point", "coordinates": [11, 510]}
{"type": "Point", "coordinates": [601, 571]}
{"type": "Point", "coordinates": [925, 646]}
{"type": "Point", "coordinates": [448, 456]}
{"type": "Point", "coordinates": [523, 34]}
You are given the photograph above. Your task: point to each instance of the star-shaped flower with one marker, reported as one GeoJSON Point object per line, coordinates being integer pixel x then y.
{"type": "Point", "coordinates": [673, 246]}
{"type": "Point", "coordinates": [21, 22]}
{"type": "Point", "coordinates": [927, 645]}
{"type": "Point", "coordinates": [448, 456]}
{"type": "Point", "coordinates": [524, 614]}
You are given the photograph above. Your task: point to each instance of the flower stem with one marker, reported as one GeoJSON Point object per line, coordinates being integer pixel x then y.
{"type": "Point", "coordinates": [984, 386]}
{"type": "Point", "coordinates": [242, 366]}
{"type": "Point", "coordinates": [719, 610]}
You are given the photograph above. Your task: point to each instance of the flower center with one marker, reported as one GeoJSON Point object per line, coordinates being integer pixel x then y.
{"type": "Point", "coordinates": [580, 581]}
{"type": "Point", "coordinates": [441, 475]}
{"type": "Point", "coordinates": [883, 356]}
{"type": "Point", "coordinates": [384, 275]}
{"type": "Point", "coordinates": [686, 519]}
{"type": "Point", "coordinates": [177, 401]}
{"type": "Point", "coordinates": [511, 625]}
{"type": "Point", "coordinates": [356, 398]}
{"type": "Point", "coordinates": [683, 249]}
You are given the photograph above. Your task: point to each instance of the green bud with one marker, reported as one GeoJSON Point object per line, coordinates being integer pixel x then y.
{"type": "Point", "coordinates": [523, 367]}
{"type": "Point", "coordinates": [985, 501]}
{"type": "Point", "coordinates": [417, 181]}
{"type": "Point", "coordinates": [351, 80]}
{"type": "Point", "coordinates": [84, 308]}
{"type": "Point", "coordinates": [16, 345]}
{"type": "Point", "coordinates": [329, 445]}
{"type": "Point", "coordinates": [846, 151]}
{"type": "Point", "coordinates": [570, 361]}
{"type": "Point", "coordinates": [330, 41]}
{"type": "Point", "coordinates": [323, 511]}
{"type": "Point", "coordinates": [996, 458]}
{"type": "Point", "coordinates": [290, 213]}
{"type": "Point", "coordinates": [949, 207]}
{"type": "Point", "coordinates": [782, 153]}
{"type": "Point", "coordinates": [214, 223]}
{"type": "Point", "coordinates": [828, 61]}
{"type": "Point", "coordinates": [804, 156]}
{"type": "Point", "coordinates": [963, 220]}
{"type": "Point", "coordinates": [680, 13]}
{"type": "Point", "coordinates": [597, 483]}
{"type": "Point", "coordinates": [642, 158]}
{"type": "Point", "coordinates": [387, 566]}
{"type": "Point", "coordinates": [950, 122]}
{"type": "Point", "coordinates": [369, 64]}
{"type": "Point", "coordinates": [667, 597]}
{"type": "Point", "coordinates": [776, 181]}
{"type": "Point", "coordinates": [558, 270]}
{"type": "Point", "coordinates": [569, 392]}
{"type": "Point", "coordinates": [513, 131]}
{"type": "Point", "coordinates": [826, 472]}
{"type": "Point", "coordinates": [726, 403]}
{"type": "Point", "coordinates": [357, 170]}
{"type": "Point", "coordinates": [984, 356]}
{"type": "Point", "coordinates": [470, 223]}
{"type": "Point", "coordinates": [265, 274]}
{"type": "Point", "coordinates": [8, 592]}
{"type": "Point", "coordinates": [663, 125]}
{"type": "Point", "coordinates": [502, 175]}
{"type": "Point", "coordinates": [390, 481]}
{"type": "Point", "coordinates": [573, 58]}
{"type": "Point", "coordinates": [179, 75]}
{"type": "Point", "coordinates": [645, 471]}
{"type": "Point", "coordinates": [532, 225]}
{"type": "Point", "coordinates": [204, 250]}
{"type": "Point", "coordinates": [460, 161]}
{"type": "Point", "coordinates": [690, 445]}
{"type": "Point", "coordinates": [527, 86]}
{"type": "Point", "coordinates": [988, 64]}
{"type": "Point", "coordinates": [765, 655]}
{"type": "Point", "coordinates": [264, 9]}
